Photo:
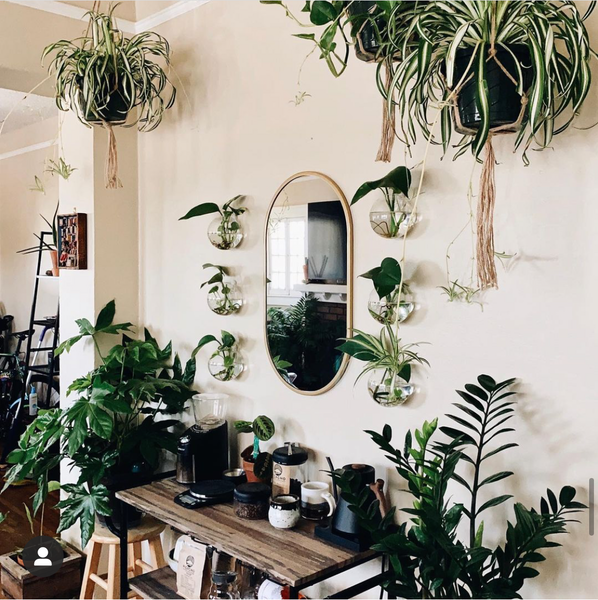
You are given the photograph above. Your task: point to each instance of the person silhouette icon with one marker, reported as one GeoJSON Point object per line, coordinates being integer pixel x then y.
{"type": "Point", "coordinates": [43, 560]}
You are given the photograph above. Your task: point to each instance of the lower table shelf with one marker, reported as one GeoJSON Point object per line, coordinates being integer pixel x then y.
{"type": "Point", "coordinates": [159, 584]}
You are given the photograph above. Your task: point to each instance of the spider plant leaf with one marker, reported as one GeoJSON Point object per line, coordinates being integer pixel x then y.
{"type": "Point", "coordinates": [482, 102]}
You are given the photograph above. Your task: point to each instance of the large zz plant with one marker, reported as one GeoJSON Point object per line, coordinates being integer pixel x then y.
{"type": "Point", "coordinates": [429, 558]}
{"type": "Point", "coordinates": [104, 76]}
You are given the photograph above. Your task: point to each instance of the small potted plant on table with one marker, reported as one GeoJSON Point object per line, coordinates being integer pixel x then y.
{"type": "Point", "coordinates": [257, 464]}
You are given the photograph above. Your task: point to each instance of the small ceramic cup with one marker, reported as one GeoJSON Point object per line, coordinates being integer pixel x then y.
{"type": "Point", "coordinates": [284, 511]}
{"type": "Point", "coordinates": [317, 503]}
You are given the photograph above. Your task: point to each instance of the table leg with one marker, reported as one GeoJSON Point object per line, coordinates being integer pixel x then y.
{"type": "Point", "coordinates": [293, 593]}
{"type": "Point", "coordinates": [124, 547]}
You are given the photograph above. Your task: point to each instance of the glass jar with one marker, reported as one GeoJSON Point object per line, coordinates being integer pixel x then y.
{"type": "Point", "coordinates": [384, 310]}
{"type": "Point", "coordinates": [224, 585]}
{"type": "Point", "coordinates": [284, 511]}
{"type": "Point", "coordinates": [388, 389]}
{"type": "Point", "coordinates": [252, 501]}
{"type": "Point", "coordinates": [225, 298]}
{"type": "Point", "coordinates": [392, 218]}
{"type": "Point", "coordinates": [225, 233]}
{"type": "Point", "coordinates": [288, 469]}
{"type": "Point", "coordinates": [227, 365]}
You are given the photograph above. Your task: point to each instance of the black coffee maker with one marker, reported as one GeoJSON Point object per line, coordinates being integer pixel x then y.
{"type": "Point", "coordinates": [202, 451]}
{"type": "Point", "coordinates": [344, 529]}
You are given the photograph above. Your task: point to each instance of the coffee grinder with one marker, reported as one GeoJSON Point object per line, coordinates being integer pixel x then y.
{"type": "Point", "coordinates": [202, 451]}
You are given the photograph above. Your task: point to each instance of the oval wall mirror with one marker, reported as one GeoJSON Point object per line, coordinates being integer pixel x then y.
{"type": "Point", "coordinates": [309, 269]}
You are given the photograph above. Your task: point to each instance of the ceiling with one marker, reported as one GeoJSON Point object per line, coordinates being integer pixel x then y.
{"type": "Point", "coordinates": [129, 9]}
{"type": "Point", "coordinates": [32, 109]}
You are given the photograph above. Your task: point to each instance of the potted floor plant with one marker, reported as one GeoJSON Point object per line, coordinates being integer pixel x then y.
{"type": "Point", "coordinates": [389, 364]}
{"type": "Point", "coordinates": [384, 304]}
{"type": "Point", "coordinates": [105, 78]}
{"type": "Point", "coordinates": [224, 232]}
{"type": "Point", "coordinates": [430, 555]}
{"type": "Point", "coordinates": [113, 431]}
{"type": "Point", "coordinates": [51, 248]}
{"type": "Point", "coordinates": [257, 464]}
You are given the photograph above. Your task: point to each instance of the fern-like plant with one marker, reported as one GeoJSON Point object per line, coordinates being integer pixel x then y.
{"type": "Point", "coordinates": [427, 557]}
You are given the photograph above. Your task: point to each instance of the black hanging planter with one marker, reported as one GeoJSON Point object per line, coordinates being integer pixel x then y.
{"type": "Point", "coordinates": [366, 42]}
{"type": "Point", "coordinates": [505, 102]}
{"type": "Point", "coordinates": [115, 111]}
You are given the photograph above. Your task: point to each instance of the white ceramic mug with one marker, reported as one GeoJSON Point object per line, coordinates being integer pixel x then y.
{"type": "Point", "coordinates": [317, 502]}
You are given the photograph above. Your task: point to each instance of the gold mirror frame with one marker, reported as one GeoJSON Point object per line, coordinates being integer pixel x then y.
{"type": "Point", "coordinates": [349, 221]}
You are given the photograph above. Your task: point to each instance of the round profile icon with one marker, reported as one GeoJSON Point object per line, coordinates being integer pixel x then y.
{"type": "Point", "coordinates": [43, 556]}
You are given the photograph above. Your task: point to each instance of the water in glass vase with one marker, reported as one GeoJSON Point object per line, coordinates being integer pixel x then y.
{"type": "Point", "coordinates": [391, 216]}
{"type": "Point", "coordinates": [225, 298]}
{"type": "Point", "coordinates": [225, 366]}
{"type": "Point", "coordinates": [384, 310]}
{"type": "Point", "coordinates": [225, 232]}
{"type": "Point", "coordinates": [388, 389]}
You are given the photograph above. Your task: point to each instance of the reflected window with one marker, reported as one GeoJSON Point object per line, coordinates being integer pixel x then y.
{"type": "Point", "coordinates": [287, 245]}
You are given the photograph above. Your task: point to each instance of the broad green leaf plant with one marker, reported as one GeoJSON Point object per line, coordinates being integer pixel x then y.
{"type": "Point", "coordinates": [263, 429]}
{"type": "Point", "coordinates": [116, 424]}
{"type": "Point", "coordinates": [228, 231]}
{"type": "Point", "coordinates": [227, 351]}
{"type": "Point", "coordinates": [428, 557]}
{"type": "Point", "coordinates": [220, 290]}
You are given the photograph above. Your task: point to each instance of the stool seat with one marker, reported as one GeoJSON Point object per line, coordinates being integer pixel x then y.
{"type": "Point", "coordinates": [148, 528]}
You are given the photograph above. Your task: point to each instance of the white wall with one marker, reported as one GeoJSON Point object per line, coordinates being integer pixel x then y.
{"type": "Point", "coordinates": [20, 219]}
{"type": "Point", "coordinates": [235, 131]}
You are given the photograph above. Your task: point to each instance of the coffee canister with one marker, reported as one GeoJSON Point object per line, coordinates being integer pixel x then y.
{"type": "Point", "coordinates": [288, 469]}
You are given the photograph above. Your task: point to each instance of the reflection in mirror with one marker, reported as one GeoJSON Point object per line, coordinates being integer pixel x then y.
{"type": "Point", "coordinates": [308, 268]}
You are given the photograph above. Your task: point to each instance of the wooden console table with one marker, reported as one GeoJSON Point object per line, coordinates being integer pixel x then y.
{"type": "Point", "coordinates": [292, 557]}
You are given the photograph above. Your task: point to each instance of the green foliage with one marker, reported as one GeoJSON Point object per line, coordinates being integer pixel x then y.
{"type": "Point", "coordinates": [90, 69]}
{"type": "Point", "coordinates": [299, 337]}
{"type": "Point", "coordinates": [263, 429]}
{"type": "Point", "coordinates": [386, 278]}
{"type": "Point", "coordinates": [114, 426]}
{"type": "Point", "coordinates": [2, 517]}
{"type": "Point", "coordinates": [397, 181]}
{"type": "Point", "coordinates": [38, 186]}
{"type": "Point", "coordinates": [53, 225]}
{"type": "Point", "coordinates": [227, 350]}
{"type": "Point", "coordinates": [60, 168]}
{"type": "Point", "coordinates": [224, 304]}
{"type": "Point", "coordinates": [382, 352]}
{"type": "Point", "coordinates": [229, 226]}
{"type": "Point", "coordinates": [427, 557]}
{"type": "Point", "coordinates": [461, 293]}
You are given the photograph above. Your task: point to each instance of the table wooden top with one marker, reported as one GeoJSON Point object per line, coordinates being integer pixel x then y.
{"type": "Point", "coordinates": [294, 557]}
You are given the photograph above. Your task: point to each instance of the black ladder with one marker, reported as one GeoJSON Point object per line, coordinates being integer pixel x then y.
{"type": "Point", "coordinates": [49, 370]}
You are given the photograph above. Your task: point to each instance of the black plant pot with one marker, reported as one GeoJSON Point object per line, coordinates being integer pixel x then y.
{"type": "Point", "coordinates": [116, 483]}
{"type": "Point", "coordinates": [505, 102]}
{"type": "Point", "coordinates": [366, 46]}
{"type": "Point", "coordinates": [114, 112]}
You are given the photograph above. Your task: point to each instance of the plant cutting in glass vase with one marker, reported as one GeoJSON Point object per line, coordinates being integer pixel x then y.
{"type": "Point", "coordinates": [224, 297]}
{"type": "Point", "coordinates": [431, 556]}
{"type": "Point", "coordinates": [384, 304]}
{"type": "Point", "coordinates": [389, 364]}
{"type": "Point", "coordinates": [225, 231]}
{"type": "Point", "coordinates": [391, 215]}
{"type": "Point", "coordinates": [115, 429]}
{"type": "Point", "coordinates": [225, 363]}
{"type": "Point", "coordinates": [257, 464]}
{"type": "Point", "coordinates": [104, 76]}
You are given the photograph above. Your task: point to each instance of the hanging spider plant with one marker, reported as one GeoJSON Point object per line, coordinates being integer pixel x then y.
{"type": "Point", "coordinates": [388, 363]}
{"type": "Point", "coordinates": [104, 76]}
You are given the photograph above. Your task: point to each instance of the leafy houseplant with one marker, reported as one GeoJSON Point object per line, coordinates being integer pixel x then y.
{"type": "Point", "coordinates": [388, 363]}
{"type": "Point", "coordinates": [52, 248]}
{"type": "Point", "coordinates": [223, 295]}
{"type": "Point", "coordinates": [225, 231]}
{"type": "Point", "coordinates": [384, 304]}
{"type": "Point", "coordinates": [394, 216]}
{"type": "Point", "coordinates": [257, 464]}
{"type": "Point", "coordinates": [225, 363]}
{"type": "Point", "coordinates": [427, 557]}
{"type": "Point", "coordinates": [112, 429]}
{"type": "Point", "coordinates": [103, 76]}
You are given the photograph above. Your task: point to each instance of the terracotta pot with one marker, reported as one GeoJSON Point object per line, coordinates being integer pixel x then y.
{"type": "Point", "coordinates": [54, 258]}
{"type": "Point", "coordinates": [248, 465]}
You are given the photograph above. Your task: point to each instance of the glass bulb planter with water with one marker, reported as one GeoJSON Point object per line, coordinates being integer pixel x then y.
{"type": "Point", "coordinates": [225, 363]}
{"type": "Point", "coordinates": [224, 296]}
{"type": "Point", "coordinates": [225, 231]}
{"type": "Point", "coordinates": [389, 364]}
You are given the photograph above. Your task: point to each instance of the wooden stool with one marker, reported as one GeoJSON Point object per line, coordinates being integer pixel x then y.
{"type": "Point", "coordinates": [148, 531]}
